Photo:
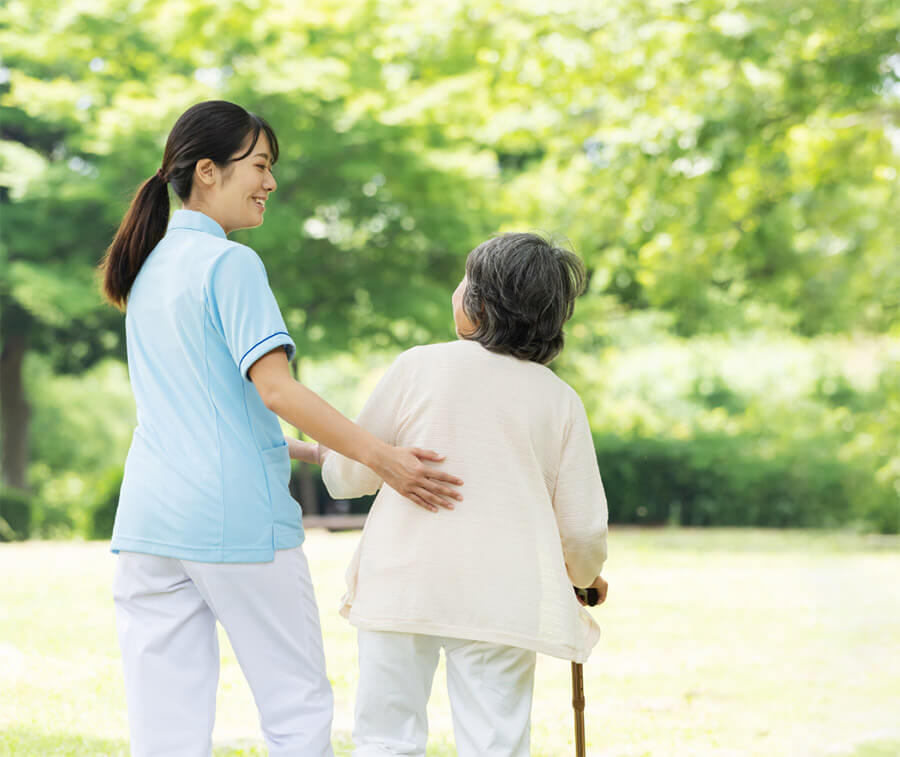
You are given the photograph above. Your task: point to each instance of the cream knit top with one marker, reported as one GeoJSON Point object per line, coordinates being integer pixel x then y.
{"type": "Point", "coordinates": [500, 566]}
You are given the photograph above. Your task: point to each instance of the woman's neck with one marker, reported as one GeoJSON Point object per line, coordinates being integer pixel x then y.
{"type": "Point", "coordinates": [198, 206]}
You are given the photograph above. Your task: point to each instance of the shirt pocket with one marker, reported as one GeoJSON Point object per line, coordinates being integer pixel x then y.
{"type": "Point", "coordinates": [278, 466]}
{"type": "Point", "coordinates": [285, 509]}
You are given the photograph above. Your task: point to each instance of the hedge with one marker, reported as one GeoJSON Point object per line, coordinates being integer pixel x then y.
{"type": "Point", "coordinates": [15, 514]}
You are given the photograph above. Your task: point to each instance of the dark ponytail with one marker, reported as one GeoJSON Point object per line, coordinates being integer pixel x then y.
{"type": "Point", "coordinates": [215, 129]}
{"type": "Point", "coordinates": [140, 231]}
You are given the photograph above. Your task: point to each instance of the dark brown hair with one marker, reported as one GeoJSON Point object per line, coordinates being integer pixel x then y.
{"type": "Point", "coordinates": [214, 129]}
{"type": "Point", "coordinates": [521, 290]}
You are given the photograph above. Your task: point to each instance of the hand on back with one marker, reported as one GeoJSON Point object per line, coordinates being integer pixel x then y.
{"type": "Point", "coordinates": [405, 470]}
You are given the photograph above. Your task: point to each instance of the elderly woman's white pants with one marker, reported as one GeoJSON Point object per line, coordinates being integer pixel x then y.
{"type": "Point", "coordinates": [166, 612]}
{"type": "Point", "coordinates": [490, 688]}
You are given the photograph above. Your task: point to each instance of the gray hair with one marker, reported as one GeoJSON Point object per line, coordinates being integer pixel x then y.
{"type": "Point", "coordinates": [521, 290]}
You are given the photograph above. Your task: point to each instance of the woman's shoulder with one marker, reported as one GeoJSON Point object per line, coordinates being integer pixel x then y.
{"type": "Point", "coordinates": [441, 353]}
{"type": "Point", "coordinates": [471, 357]}
{"type": "Point", "coordinates": [230, 263]}
{"type": "Point", "coordinates": [235, 253]}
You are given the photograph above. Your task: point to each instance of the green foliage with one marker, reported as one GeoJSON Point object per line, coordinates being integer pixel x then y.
{"type": "Point", "coordinates": [105, 495]}
{"type": "Point", "coordinates": [368, 215]}
{"type": "Point", "coordinates": [725, 481]}
{"type": "Point", "coordinates": [15, 514]}
{"type": "Point", "coordinates": [81, 427]}
{"type": "Point", "coordinates": [775, 431]}
{"type": "Point", "coordinates": [81, 424]}
{"type": "Point", "coordinates": [758, 431]}
{"type": "Point", "coordinates": [733, 167]}
{"type": "Point", "coordinates": [721, 170]}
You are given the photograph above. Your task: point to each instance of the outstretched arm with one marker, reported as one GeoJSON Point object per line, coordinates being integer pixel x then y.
{"type": "Point", "coordinates": [404, 469]}
{"type": "Point", "coordinates": [382, 415]}
{"type": "Point", "coordinates": [306, 452]}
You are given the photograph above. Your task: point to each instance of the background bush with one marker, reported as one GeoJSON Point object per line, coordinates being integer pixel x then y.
{"type": "Point", "coordinates": [15, 514]}
{"type": "Point", "coordinates": [726, 481]}
{"type": "Point", "coordinates": [106, 500]}
{"type": "Point", "coordinates": [764, 432]}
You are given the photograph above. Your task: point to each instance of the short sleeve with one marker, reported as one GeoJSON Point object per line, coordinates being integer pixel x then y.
{"type": "Point", "coordinates": [244, 309]}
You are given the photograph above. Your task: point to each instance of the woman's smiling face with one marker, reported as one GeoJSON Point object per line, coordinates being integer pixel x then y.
{"type": "Point", "coordinates": [235, 195]}
{"type": "Point", "coordinates": [245, 187]}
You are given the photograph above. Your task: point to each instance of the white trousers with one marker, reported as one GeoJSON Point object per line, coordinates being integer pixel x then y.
{"type": "Point", "coordinates": [490, 687]}
{"type": "Point", "coordinates": [166, 612]}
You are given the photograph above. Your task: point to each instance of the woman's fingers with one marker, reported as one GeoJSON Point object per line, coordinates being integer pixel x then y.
{"type": "Point", "coordinates": [434, 499]}
{"type": "Point", "coordinates": [433, 473]}
{"type": "Point", "coordinates": [437, 475]}
{"type": "Point", "coordinates": [442, 491]}
{"type": "Point", "coordinates": [602, 588]}
{"type": "Point", "coordinates": [419, 482]}
{"type": "Point", "coordinates": [415, 499]}
{"type": "Point", "coordinates": [427, 454]}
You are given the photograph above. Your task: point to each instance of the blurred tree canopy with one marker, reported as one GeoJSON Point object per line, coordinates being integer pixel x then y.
{"type": "Point", "coordinates": [729, 165]}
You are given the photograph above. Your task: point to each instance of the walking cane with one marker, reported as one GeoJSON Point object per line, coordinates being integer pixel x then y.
{"type": "Point", "coordinates": [590, 597]}
{"type": "Point", "coordinates": [578, 706]}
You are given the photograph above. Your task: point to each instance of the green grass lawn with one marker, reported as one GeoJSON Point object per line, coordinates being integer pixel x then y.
{"type": "Point", "coordinates": [720, 642]}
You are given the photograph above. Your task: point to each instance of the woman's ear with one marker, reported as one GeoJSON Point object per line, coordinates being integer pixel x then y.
{"type": "Point", "coordinates": [478, 318]}
{"type": "Point", "coordinates": [471, 324]}
{"type": "Point", "coordinates": [206, 172]}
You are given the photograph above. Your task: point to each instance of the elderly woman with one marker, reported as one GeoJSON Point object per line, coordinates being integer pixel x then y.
{"type": "Point", "coordinates": [490, 581]}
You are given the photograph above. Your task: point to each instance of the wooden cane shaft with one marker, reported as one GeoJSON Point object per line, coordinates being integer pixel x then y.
{"type": "Point", "coordinates": [578, 706]}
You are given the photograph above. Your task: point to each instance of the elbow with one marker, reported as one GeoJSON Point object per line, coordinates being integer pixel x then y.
{"type": "Point", "coordinates": [344, 489]}
{"type": "Point", "coordinates": [585, 557]}
{"type": "Point", "coordinates": [336, 491]}
{"type": "Point", "coordinates": [581, 577]}
{"type": "Point", "coordinates": [332, 482]}
{"type": "Point", "coordinates": [582, 572]}
{"type": "Point", "coordinates": [342, 478]}
{"type": "Point", "coordinates": [272, 398]}
{"type": "Point", "coordinates": [333, 487]}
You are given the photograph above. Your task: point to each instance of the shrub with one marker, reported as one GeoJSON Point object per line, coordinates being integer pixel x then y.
{"type": "Point", "coordinates": [105, 501]}
{"type": "Point", "coordinates": [15, 514]}
{"type": "Point", "coordinates": [720, 480]}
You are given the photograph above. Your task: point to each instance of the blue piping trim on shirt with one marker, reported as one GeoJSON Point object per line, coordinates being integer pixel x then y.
{"type": "Point", "coordinates": [277, 333]}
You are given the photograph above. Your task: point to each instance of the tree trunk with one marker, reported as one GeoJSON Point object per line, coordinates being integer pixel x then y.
{"type": "Point", "coordinates": [14, 411]}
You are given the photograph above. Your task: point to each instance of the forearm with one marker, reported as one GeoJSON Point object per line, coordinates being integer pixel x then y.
{"type": "Point", "coordinates": [307, 452]}
{"type": "Point", "coordinates": [404, 469]}
{"type": "Point", "coordinates": [303, 408]}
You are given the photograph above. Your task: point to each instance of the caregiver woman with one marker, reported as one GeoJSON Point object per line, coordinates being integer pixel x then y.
{"type": "Point", "coordinates": [206, 529]}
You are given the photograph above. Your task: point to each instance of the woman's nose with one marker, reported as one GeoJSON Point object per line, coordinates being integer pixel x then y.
{"type": "Point", "coordinates": [270, 185]}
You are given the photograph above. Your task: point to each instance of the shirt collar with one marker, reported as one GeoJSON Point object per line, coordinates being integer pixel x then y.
{"type": "Point", "coordinates": [196, 221]}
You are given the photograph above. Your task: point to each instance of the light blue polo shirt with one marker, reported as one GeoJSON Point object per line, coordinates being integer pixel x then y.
{"type": "Point", "coordinates": [206, 477]}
